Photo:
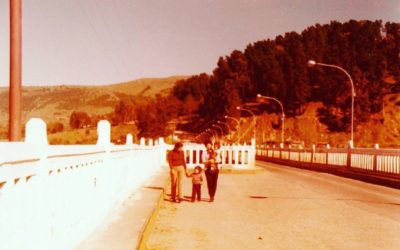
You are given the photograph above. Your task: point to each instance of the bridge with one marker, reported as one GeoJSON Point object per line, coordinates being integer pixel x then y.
{"type": "Point", "coordinates": [87, 196]}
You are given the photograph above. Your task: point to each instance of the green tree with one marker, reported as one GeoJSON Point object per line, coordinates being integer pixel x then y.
{"type": "Point", "coordinates": [79, 120]}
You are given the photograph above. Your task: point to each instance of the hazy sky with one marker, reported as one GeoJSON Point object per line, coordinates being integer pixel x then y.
{"type": "Point", "coordinates": [109, 41]}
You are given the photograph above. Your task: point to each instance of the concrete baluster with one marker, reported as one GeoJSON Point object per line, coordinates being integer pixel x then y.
{"type": "Point", "coordinates": [162, 151]}
{"type": "Point", "coordinates": [236, 153]}
{"type": "Point", "coordinates": [230, 156]}
{"type": "Point", "coordinates": [198, 150]}
{"type": "Point", "coordinates": [35, 132]}
{"type": "Point", "coordinates": [191, 157]}
{"type": "Point", "coordinates": [103, 133]}
{"type": "Point", "coordinates": [129, 139]}
{"type": "Point", "coordinates": [142, 142]}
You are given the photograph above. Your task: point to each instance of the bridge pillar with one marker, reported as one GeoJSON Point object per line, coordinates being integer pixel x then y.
{"type": "Point", "coordinates": [103, 133]}
{"type": "Point", "coordinates": [35, 132]}
{"type": "Point", "coordinates": [129, 139]}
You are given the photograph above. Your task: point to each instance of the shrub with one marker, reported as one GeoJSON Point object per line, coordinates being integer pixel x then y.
{"type": "Point", "coordinates": [79, 120]}
{"type": "Point", "coordinates": [55, 127]}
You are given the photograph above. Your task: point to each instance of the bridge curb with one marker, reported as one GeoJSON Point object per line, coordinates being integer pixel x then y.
{"type": "Point", "coordinates": [253, 170]}
{"type": "Point", "coordinates": [149, 224]}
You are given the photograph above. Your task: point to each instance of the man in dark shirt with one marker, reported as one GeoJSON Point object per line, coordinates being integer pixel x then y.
{"type": "Point", "coordinates": [177, 165]}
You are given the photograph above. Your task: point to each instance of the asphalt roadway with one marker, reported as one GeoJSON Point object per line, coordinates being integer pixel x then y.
{"type": "Point", "coordinates": [279, 207]}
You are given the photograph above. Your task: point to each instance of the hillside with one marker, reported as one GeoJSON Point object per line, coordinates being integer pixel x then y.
{"type": "Point", "coordinates": [280, 68]}
{"type": "Point", "coordinates": [55, 103]}
{"type": "Point", "coordinates": [382, 128]}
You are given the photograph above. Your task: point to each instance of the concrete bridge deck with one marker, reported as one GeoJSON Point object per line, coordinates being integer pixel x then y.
{"type": "Point", "coordinates": [276, 207]}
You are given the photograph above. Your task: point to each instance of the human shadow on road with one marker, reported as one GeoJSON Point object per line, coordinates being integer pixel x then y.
{"type": "Point", "coordinates": [153, 187]}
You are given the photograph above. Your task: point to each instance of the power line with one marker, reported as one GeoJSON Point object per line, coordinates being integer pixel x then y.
{"type": "Point", "coordinates": [127, 39]}
{"type": "Point", "coordinates": [110, 34]}
{"type": "Point", "coordinates": [99, 37]}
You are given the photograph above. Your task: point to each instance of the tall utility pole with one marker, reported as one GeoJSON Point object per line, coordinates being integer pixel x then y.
{"type": "Point", "coordinates": [15, 93]}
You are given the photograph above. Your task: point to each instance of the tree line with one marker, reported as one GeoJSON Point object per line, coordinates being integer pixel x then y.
{"type": "Point", "coordinates": [368, 50]}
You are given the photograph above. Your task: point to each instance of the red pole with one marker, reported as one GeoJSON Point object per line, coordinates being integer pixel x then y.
{"type": "Point", "coordinates": [15, 96]}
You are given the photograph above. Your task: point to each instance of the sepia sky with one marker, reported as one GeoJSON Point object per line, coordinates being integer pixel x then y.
{"type": "Point", "coordinates": [108, 41]}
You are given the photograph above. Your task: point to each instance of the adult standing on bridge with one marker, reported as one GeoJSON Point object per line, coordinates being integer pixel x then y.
{"type": "Point", "coordinates": [177, 165]}
{"type": "Point", "coordinates": [211, 158]}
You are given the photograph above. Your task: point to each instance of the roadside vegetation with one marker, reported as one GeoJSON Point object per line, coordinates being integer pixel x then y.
{"type": "Point", "coordinates": [316, 100]}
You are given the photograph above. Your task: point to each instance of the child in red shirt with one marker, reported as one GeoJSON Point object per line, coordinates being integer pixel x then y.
{"type": "Point", "coordinates": [197, 181]}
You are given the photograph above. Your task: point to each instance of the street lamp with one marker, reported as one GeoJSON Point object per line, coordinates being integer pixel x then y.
{"type": "Point", "coordinates": [283, 116]}
{"type": "Point", "coordinates": [312, 63]}
{"type": "Point", "coordinates": [254, 119]}
{"type": "Point", "coordinates": [237, 124]}
{"type": "Point", "coordinates": [221, 129]}
{"type": "Point", "coordinates": [212, 132]}
{"type": "Point", "coordinates": [224, 123]}
{"type": "Point", "coordinates": [203, 133]}
{"type": "Point", "coordinates": [227, 126]}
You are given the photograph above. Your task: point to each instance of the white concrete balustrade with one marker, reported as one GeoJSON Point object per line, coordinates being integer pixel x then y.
{"type": "Point", "coordinates": [232, 156]}
{"type": "Point", "coordinates": [52, 197]}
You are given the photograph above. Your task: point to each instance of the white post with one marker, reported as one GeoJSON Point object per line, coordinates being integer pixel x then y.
{"type": "Point", "coordinates": [36, 133]}
{"type": "Point", "coordinates": [191, 156]}
{"type": "Point", "coordinates": [252, 154]}
{"type": "Point", "coordinates": [142, 142]}
{"type": "Point", "coordinates": [163, 151]}
{"type": "Point", "coordinates": [236, 157]}
{"type": "Point", "coordinates": [230, 156]}
{"type": "Point", "coordinates": [129, 139]}
{"type": "Point", "coordinates": [197, 156]}
{"type": "Point", "coordinates": [103, 133]}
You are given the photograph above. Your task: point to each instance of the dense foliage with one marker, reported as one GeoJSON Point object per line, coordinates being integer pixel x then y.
{"type": "Point", "coordinates": [368, 50]}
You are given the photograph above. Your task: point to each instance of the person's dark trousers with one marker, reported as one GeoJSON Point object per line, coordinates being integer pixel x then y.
{"type": "Point", "coordinates": [212, 179]}
{"type": "Point", "coordinates": [196, 191]}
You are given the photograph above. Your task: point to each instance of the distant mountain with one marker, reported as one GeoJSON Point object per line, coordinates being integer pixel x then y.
{"type": "Point", "coordinates": [55, 103]}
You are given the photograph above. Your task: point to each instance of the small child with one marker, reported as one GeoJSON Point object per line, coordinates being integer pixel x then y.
{"type": "Point", "coordinates": [213, 165]}
{"type": "Point", "coordinates": [197, 181]}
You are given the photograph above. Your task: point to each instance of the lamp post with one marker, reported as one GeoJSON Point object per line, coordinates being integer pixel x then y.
{"type": "Point", "coordinates": [283, 116]}
{"type": "Point", "coordinates": [221, 129]}
{"type": "Point", "coordinates": [224, 123]}
{"type": "Point", "coordinates": [200, 135]}
{"type": "Point", "coordinates": [254, 119]}
{"type": "Point", "coordinates": [208, 133]}
{"type": "Point", "coordinates": [212, 132]}
{"type": "Point", "coordinates": [237, 124]}
{"type": "Point", "coordinates": [228, 128]}
{"type": "Point", "coordinates": [312, 63]}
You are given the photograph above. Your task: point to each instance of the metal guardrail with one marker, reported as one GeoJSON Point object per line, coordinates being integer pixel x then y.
{"type": "Point", "coordinates": [380, 161]}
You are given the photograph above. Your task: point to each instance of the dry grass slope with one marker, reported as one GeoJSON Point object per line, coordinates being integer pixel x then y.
{"type": "Point", "coordinates": [55, 103]}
